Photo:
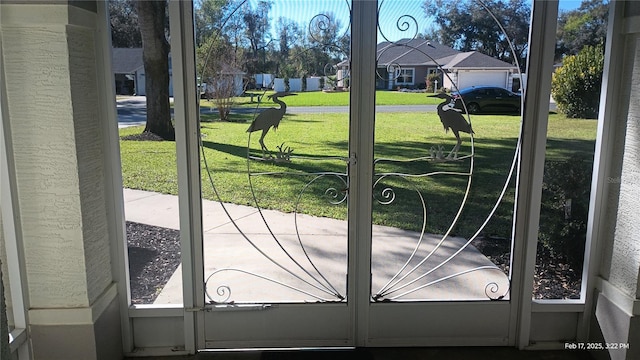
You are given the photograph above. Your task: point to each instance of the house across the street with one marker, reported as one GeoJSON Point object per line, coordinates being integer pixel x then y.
{"type": "Point", "coordinates": [406, 64]}
{"type": "Point", "coordinates": [128, 69]}
{"type": "Point", "coordinates": [229, 81]}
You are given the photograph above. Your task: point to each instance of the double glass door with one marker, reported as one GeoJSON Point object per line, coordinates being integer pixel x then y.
{"type": "Point", "coordinates": [349, 199]}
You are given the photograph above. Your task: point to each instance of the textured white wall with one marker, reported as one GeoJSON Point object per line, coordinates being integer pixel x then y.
{"type": "Point", "coordinates": [88, 136]}
{"type": "Point", "coordinates": [40, 113]}
{"type": "Point", "coordinates": [55, 126]}
{"type": "Point", "coordinates": [626, 249]}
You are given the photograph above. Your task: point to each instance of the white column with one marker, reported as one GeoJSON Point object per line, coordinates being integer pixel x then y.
{"type": "Point", "coordinates": [617, 307]}
{"type": "Point", "coordinates": [55, 125]}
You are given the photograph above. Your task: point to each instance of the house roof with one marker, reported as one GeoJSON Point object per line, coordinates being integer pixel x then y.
{"type": "Point", "coordinates": [413, 52]}
{"type": "Point", "coordinates": [126, 60]}
{"type": "Point", "coordinates": [475, 60]}
{"type": "Point", "coordinates": [421, 52]}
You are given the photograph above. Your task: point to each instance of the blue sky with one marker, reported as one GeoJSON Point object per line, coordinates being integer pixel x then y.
{"type": "Point", "coordinates": [302, 11]}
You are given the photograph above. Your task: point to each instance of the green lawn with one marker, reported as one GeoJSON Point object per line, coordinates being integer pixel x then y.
{"type": "Point", "coordinates": [318, 139]}
{"type": "Point", "coordinates": [319, 98]}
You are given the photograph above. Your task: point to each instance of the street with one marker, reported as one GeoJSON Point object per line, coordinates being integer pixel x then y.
{"type": "Point", "coordinates": [132, 110]}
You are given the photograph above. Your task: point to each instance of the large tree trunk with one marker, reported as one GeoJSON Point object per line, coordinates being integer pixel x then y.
{"type": "Point", "coordinates": [152, 19]}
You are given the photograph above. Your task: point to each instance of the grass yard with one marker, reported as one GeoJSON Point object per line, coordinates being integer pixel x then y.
{"type": "Point", "coordinates": [317, 167]}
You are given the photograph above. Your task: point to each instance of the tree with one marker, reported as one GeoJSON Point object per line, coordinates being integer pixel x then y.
{"type": "Point", "coordinates": [224, 91]}
{"type": "Point", "coordinates": [468, 26]}
{"type": "Point", "coordinates": [153, 18]}
{"type": "Point", "coordinates": [290, 56]}
{"type": "Point", "coordinates": [256, 27]}
{"type": "Point", "coordinates": [123, 18]}
{"type": "Point", "coordinates": [289, 35]}
{"type": "Point", "coordinates": [208, 16]}
{"type": "Point", "coordinates": [584, 26]}
{"type": "Point", "coordinates": [326, 45]}
{"type": "Point", "coordinates": [325, 32]}
{"type": "Point", "coordinates": [217, 18]}
{"type": "Point", "coordinates": [218, 71]}
{"type": "Point", "coordinates": [575, 86]}
{"type": "Point", "coordinates": [218, 23]}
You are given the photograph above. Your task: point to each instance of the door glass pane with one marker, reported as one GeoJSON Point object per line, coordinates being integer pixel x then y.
{"type": "Point", "coordinates": [570, 148]}
{"type": "Point", "coordinates": [446, 148]}
{"type": "Point", "coordinates": [273, 78]}
{"type": "Point", "coordinates": [148, 162]}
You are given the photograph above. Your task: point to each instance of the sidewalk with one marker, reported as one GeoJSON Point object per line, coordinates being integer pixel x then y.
{"type": "Point", "coordinates": [243, 248]}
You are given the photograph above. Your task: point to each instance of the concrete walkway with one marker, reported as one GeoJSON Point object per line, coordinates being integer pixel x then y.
{"type": "Point", "coordinates": [241, 242]}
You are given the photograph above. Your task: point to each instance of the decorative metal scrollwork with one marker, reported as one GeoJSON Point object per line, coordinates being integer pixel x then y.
{"type": "Point", "coordinates": [319, 26]}
{"type": "Point", "coordinates": [388, 196]}
{"type": "Point", "coordinates": [419, 271]}
{"type": "Point", "coordinates": [406, 24]}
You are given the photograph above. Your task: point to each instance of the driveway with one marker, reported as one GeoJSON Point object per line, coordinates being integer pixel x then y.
{"type": "Point", "coordinates": [132, 111]}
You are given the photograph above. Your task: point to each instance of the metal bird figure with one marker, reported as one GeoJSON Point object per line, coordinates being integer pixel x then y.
{"type": "Point", "coordinates": [269, 118]}
{"type": "Point", "coordinates": [452, 119]}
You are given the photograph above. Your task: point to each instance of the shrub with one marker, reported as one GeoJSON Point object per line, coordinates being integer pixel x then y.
{"type": "Point", "coordinates": [565, 207]}
{"type": "Point", "coordinates": [431, 81]}
{"type": "Point", "coordinates": [576, 84]}
{"type": "Point", "coordinates": [332, 81]}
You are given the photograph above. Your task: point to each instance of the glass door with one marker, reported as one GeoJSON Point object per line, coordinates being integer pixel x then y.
{"type": "Point", "coordinates": [444, 173]}
{"type": "Point", "coordinates": [317, 232]}
{"type": "Point", "coordinates": [274, 115]}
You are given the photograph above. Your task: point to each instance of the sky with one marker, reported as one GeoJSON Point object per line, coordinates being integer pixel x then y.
{"type": "Point", "coordinates": [391, 11]}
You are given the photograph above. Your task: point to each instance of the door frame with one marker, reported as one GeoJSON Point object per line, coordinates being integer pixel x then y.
{"type": "Point", "coordinates": [364, 17]}
{"type": "Point", "coordinates": [181, 15]}
{"type": "Point", "coordinates": [542, 34]}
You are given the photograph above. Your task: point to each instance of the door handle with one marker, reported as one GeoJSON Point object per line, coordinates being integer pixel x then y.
{"type": "Point", "coordinates": [237, 307]}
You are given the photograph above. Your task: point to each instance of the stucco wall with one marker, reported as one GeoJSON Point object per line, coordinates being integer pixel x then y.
{"type": "Point", "coordinates": [626, 248]}
{"type": "Point", "coordinates": [57, 151]}
{"type": "Point", "coordinates": [46, 168]}
{"type": "Point", "coordinates": [88, 138]}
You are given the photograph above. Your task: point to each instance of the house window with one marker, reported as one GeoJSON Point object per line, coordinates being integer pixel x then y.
{"type": "Point", "coordinates": [405, 77]}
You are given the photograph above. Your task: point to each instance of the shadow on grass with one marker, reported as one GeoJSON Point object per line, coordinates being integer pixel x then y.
{"type": "Point", "coordinates": [233, 150]}
{"type": "Point", "coordinates": [444, 195]}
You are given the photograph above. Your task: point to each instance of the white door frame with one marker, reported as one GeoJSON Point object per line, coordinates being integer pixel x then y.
{"type": "Point", "coordinates": [361, 152]}
{"type": "Point", "coordinates": [361, 141]}
{"type": "Point", "coordinates": [529, 182]}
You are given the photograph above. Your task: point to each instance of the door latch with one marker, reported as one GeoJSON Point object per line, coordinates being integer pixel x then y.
{"type": "Point", "coordinates": [352, 160]}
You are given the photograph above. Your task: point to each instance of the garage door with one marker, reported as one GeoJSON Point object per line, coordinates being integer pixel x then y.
{"type": "Point", "coordinates": [482, 78]}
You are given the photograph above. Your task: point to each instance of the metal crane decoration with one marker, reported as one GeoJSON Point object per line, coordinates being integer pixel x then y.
{"type": "Point", "coordinates": [269, 118]}
{"type": "Point", "coordinates": [452, 119]}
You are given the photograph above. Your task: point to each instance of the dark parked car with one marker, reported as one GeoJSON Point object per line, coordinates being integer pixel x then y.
{"type": "Point", "coordinates": [487, 99]}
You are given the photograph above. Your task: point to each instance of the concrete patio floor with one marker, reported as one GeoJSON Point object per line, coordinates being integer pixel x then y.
{"type": "Point", "coordinates": [325, 242]}
{"type": "Point", "coordinates": [291, 276]}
